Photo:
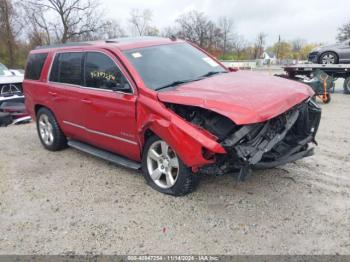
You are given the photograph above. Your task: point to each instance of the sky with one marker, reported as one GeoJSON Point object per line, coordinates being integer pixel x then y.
{"type": "Point", "coordinates": [315, 21]}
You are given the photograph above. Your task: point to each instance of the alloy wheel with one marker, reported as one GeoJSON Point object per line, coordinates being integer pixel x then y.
{"type": "Point", "coordinates": [162, 164]}
{"type": "Point", "coordinates": [328, 58]}
{"type": "Point", "coordinates": [46, 130]}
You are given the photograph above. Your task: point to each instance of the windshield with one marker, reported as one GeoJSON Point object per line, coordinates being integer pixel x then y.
{"type": "Point", "coordinates": [168, 65]}
{"type": "Point", "coordinates": [2, 69]}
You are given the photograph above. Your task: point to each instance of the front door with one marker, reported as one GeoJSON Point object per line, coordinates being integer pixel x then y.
{"type": "Point", "coordinates": [110, 114]}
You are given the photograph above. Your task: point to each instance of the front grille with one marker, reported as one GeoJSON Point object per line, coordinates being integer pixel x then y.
{"type": "Point", "coordinates": [11, 89]}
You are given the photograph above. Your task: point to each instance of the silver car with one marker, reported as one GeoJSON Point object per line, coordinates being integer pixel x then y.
{"type": "Point", "coordinates": [331, 54]}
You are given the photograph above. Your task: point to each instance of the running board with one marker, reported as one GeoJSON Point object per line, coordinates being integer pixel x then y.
{"type": "Point", "coordinates": [116, 159]}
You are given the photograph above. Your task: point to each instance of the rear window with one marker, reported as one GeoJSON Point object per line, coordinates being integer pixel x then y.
{"type": "Point", "coordinates": [67, 68]}
{"type": "Point", "coordinates": [35, 65]}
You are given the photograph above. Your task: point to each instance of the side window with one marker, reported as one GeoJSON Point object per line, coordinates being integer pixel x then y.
{"type": "Point", "coordinates": [67, 68]}
{"type": "Point", "coordinates": [35, 65]}
{"type": "Point", "coordinates": [102, 72]}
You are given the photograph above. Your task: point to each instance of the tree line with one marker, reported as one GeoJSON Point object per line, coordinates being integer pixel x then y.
{"type": "Point", "coordinates": [25, 24]}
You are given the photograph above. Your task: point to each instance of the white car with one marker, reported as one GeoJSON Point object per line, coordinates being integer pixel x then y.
{"type": "Point", "coordinates": [17, 72]}
{"type": "Point", "coordinates": [10, 82]}
{"type": "Point", "coordinates": [11, 97]}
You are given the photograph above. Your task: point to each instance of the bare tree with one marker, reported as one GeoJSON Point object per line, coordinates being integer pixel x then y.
{"type": "Point", "coordinates": [298, 44]}
{"type": "Point", "coordinates": [68, 19]}
{"type": "Point", "coordinates": [38, 28]}
{"type": "Point", "coordinates": [259, 45]}
{"type": "Point", "coordinates": [214, 38]}
{"type": "Point", "coordinates": [196, 27]}
{"type": "Point", "coordinates": [140, 21]}
{"type": "Point", "coordinates": [226, 26]}
{"type": "Point", "coordinates": [344, 32]}
{"type": "Point", "coordinates": [112, 29]}
{"type": "Point", "coordinates": [239, 45]}
{"type": "Point", "coordinates": [152, 31]}
{"type": "Point", "coordinates": [169, 31]}
{"type": "Point", "coordinates": [10, 28]}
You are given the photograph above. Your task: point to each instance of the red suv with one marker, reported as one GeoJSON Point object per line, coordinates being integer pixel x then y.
{"type": "Point", "coordinates": [167, 107]}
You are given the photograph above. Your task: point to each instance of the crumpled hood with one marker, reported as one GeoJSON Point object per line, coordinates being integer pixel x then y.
{"type": "Point", "coordinates": [244, 97]}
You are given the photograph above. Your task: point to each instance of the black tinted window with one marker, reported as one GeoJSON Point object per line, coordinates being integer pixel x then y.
{"type": "Point", "coordinates": [67, 68]}
{"type": "Point", "coordinates": [102, 72]}
{"type": "Point", "coordinates": [35, 65]}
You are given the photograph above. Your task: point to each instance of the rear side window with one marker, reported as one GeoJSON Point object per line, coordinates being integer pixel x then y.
{"type": "Point", "coordinates": [35, 65]}
{"type": "Point", "coordinates": [102, 72]}
{"type": "Point", "coordinates": [67, 68]}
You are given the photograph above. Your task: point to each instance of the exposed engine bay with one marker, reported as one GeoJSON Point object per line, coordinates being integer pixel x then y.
{"type": "Point", "coordinates": [280, 140]}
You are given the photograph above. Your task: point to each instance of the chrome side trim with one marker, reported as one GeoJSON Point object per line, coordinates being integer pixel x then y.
{"type": "Point", "coordinates": [100, 133]}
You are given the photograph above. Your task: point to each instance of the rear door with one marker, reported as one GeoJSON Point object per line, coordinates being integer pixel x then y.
{"type": "Point", "coordinates": [66, 92]}
{"type": "Point", "coordinates": [110, 115]}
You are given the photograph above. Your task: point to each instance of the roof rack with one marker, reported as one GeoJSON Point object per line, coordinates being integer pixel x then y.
{"type": "Point", "coordinates": [132, 39]}
{"type": "Point", "coordinates": [63, 45]}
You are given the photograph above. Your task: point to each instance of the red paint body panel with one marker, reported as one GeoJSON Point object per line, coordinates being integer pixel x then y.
{"type": "Point", "coordinates": [117, 122]}
{"type": "Point", "coordinates": [244, 97]}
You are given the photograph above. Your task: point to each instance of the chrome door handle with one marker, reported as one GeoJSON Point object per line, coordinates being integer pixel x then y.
{"type": "Point", "coordinates": [86, 101]}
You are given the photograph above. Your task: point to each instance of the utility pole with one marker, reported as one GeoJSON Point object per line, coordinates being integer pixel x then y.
{"type": "Point", "coordinates": [278, 47]}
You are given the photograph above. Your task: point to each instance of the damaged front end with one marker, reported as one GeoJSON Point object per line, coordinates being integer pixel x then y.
{"type": "Point", "coordinates": [280, 140]}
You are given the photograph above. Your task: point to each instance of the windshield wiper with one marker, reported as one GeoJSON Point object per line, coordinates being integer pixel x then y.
{"type": "Point", "coordinates": [211, 73]}
{"type": "Point", "coordinates": [176, 83]}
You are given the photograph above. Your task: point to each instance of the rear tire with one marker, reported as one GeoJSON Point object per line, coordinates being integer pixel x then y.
{"type": "Point", "coordinates": [347, 85]}
{"type": "Point", "coordinates": [5, 119]}
{"type": "Point", "coordinates": [160, 164]}
{"type": "Point", "coordinates": [50, 134]}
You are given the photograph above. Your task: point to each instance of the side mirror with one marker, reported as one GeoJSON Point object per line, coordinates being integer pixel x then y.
{"type": "Point", "coordinates": [232, 69]}
{"type": "Point", "coordinates": [126, 88]}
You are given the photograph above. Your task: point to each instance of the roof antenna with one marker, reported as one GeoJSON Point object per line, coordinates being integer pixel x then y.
{"type": "Point", "coordinates": [173, 38]}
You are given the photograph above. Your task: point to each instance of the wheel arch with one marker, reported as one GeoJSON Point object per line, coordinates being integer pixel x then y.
{"type": "Point", "coordinates": [188, 148]}
{"type": "Point", "coordinates": [37, 107]}
{"type": "Point", "coordinates": [327, 51]}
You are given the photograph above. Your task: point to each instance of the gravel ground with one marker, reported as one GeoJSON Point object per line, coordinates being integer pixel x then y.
{"type": "Point", "coordinates": [71, 203]}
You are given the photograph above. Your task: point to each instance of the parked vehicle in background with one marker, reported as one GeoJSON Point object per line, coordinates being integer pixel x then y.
{"type": "Point", "coordinates": [331, 54]}
{"type": "Point", "coordinates": [17, 72]}
{"type": "Point", "coordinates": [12, 108]}
{"type": "Point", "coordinates": [10, 81]}
{"type": "Point", "coordinates": [122, 100]}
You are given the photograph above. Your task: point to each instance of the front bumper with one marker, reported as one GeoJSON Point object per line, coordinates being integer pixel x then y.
{"type": "Point", "coordinates": [283, 139]}
{"type": "Point", "coordinates": [313, 57]}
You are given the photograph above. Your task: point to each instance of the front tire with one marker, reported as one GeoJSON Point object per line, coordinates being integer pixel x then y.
{"type": "Point", "coordinates": [329, 58]}
{"type": "Point", "coordinates": [164, 171]}
{"type": "Point", "coordinates": [50, 134]}
{"type": "Point", "coordinates": [347, 85]}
